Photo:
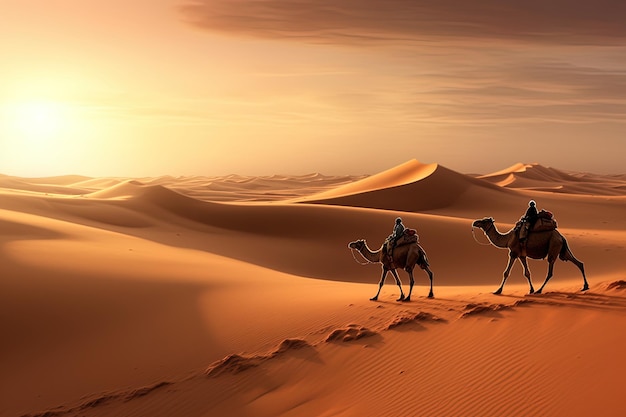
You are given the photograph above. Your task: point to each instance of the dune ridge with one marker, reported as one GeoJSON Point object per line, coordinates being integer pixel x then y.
{"type": "Point", "coordinates": [412, 186]}
{"type": "Point", "coordinates": [235, 363]}
{"type": "Point", "coordinates": [99, 401]}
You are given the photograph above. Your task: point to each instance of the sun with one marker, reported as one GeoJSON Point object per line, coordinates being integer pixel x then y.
{"type": "Point", "coordinates": [36, 122]}
{"type": "Point", "coordinates": [35, 133]}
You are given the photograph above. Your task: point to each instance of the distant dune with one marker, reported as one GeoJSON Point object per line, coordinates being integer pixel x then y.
{"type": "Point", "coordinates": [535, 177]}
{"type": "Point", "coordinates": [238, 295]}
{"type": "Point", "coordinates": [413, 187]}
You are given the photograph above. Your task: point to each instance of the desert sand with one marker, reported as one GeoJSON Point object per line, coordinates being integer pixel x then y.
{"type": "Point", "coordinates": [238, 296]}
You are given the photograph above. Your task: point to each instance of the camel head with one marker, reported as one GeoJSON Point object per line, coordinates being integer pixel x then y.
{"type": "Point", "coordinates": [357, 244]}
{"type": "Point", "coordinates": [484, 224]}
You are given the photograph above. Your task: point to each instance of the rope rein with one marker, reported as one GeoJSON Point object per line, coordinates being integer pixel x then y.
{"type": "Point", "coordinates": [481, 243]}
{"type": "Point", "coordinates": [367, 261]}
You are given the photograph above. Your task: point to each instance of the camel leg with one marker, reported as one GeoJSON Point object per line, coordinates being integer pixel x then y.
{"type": "Point", "coordinates": [507, 271]}
{"type": "Point", "coordinates": [411, 282]}
{"type": "Point", "coordinates": [395, 275]}
{"type": "Point", "coordinates": [430, 276]}
{"type": "Point", "coordinates": [550, 270]}
{"type": "Point", "coordinates": [569, 256]}
{"type": "Point", "coordinates": [380, 284]}
{"type": "Point", "coordinates": [527, 273]}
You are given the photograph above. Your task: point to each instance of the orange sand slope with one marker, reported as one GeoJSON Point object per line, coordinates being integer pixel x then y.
{"type": "Point", "coordinates": [200, 296]}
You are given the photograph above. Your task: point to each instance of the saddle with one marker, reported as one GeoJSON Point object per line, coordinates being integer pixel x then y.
{"type": "Point", "coordinates": [409, 236]}
{"type": "Point", "coordinates": [545, 222]}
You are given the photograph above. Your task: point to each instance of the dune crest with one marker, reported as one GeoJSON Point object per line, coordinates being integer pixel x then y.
{"type": "Point", "coordinates": [402, 174]}
{"type": "Point", "coordinates": [412, 187]}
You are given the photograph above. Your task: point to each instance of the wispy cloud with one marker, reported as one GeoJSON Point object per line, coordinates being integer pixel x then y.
{"type": "Point", "coordinates": [419, 65]}
{"type": "Point", "coordinates": [584, 22]}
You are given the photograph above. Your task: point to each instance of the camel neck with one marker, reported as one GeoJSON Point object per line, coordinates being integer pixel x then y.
{"type": "Point", "coordinates": [498, 239]}
{"type": "Point", "coordinates": [372, 256]}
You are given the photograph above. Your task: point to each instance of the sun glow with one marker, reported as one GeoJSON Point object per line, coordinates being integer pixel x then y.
{"type": "Point", "coordinates": [36, 123]}
{"type": "Point", "coordinates": [40, 136]}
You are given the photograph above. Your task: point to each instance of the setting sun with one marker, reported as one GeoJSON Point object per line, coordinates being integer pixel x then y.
{"type": "Point", "coordinates": [36, 122]}
{"type": "Point", "coordinates": [39, 136]}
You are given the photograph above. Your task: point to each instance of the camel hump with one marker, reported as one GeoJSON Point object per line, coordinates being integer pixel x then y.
{"type": "Point", "coordinates": [544, 224]}
{"type": "Point", "coordinates": [545, 214]}
{"type": "Point", "coordinates": [407, 238]}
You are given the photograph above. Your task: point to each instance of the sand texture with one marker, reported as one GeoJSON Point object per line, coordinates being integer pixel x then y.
{"type": "Point", "coordinates": [239, 296]}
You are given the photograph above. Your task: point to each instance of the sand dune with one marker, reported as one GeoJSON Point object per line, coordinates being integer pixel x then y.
{"type": "Point", "coordinates": [237, 295]}
{"type": "Point", "coordinates": [248, 188]}
{"type": "Point", "coordinates": [18, 184]}
{"type": "Point", "coordinates": [410, 171]}
{"type": "Point", "coordinates": [414, 187]}
{"type": "Point", "coordinates": [539, 178]}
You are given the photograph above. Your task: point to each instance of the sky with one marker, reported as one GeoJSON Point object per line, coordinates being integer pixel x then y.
{"type": "Point", "coordinates": [260, 87]}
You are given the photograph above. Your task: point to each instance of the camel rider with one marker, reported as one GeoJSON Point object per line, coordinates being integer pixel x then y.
{"type": "Point", "coordinates": [528, 220]}
{"type": "Point", "coordinates": [398, 231]}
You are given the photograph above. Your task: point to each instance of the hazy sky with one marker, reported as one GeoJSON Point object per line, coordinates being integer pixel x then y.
{"type": "Point", "coordinates": [209, 87]}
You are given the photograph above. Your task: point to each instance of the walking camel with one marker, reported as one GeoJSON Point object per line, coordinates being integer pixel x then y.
{"type": "Point", "coordinates": [539, 245]}
{"type": "Point", "coordinates": [404, 256]}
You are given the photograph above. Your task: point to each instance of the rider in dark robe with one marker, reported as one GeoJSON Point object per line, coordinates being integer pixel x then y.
{"type": "Point", "coordinates": [528, 220]}
{"type": "Point", "coordinates": [398, 232]}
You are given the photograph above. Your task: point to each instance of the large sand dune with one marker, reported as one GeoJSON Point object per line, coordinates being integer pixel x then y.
{"type": "Point", "coordinates": [237, 295]}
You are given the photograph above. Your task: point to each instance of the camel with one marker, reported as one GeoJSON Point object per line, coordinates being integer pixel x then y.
{"type": "Point", "coordinates": [539, 245]}
{"type": "Point", "coordinates": [404, 256]}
